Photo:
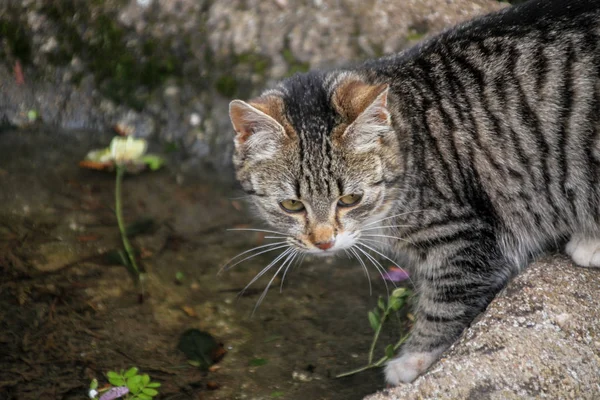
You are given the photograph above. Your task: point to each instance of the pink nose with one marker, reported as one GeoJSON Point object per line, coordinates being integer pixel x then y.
{"type": "Point", "coordinates": [325, 245]}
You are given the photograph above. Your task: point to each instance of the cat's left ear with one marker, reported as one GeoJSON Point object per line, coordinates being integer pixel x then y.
{"type": "Point", "coordinates": [259, 135]}
{"type": "Point", "coordinates": [372, 124]}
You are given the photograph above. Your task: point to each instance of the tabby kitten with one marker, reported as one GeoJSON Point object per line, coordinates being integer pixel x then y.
{"type": "Point", "coordinates": [467, 155]}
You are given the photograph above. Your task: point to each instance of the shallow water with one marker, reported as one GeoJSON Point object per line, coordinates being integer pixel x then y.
{"type": "Point", "coordinates": [68, 316]}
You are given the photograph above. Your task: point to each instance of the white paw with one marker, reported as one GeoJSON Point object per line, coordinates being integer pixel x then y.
{"type": "Point", "coordinates": [409, 366]}
{"type": "Point", "coordinates": [584, 251]}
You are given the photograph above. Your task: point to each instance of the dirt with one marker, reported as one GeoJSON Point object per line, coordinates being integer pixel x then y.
{"type": "Point", "coordinates": [67, 315]}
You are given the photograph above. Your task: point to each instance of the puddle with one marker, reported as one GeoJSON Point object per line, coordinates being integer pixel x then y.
{"type": "Point", "coordinates": [67, 316]}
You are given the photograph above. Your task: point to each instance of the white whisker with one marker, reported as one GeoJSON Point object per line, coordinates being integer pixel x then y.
{"type": "Point", "coordinates": [275, 237]}
{"type": "Point", "coordinates": [279, 246]}
{"type": "Point", "coordinates": [264, 293]}
{"type": "Point", "coordinates": [386, 226]}
{"type": "Point", "coordinates": [362, 263]}
{"type": "Point", "coordinates": [286, 270]}
{"type": "Point", "coordinates": [394, 216]}
{"type": "Point", "coordinates": [265, 269]}
{"type": "Point", "coordinates": [256, 230]}
{"type": "Point", "coordinates": [391, 237]}
{"type": "Point", "coordinates": [386, 257]}
{"type": "Point", "coordinates": [378, 267]}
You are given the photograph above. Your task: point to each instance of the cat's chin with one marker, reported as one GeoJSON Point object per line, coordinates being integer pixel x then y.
{"type": "Point", "coordinates": [323, 253]}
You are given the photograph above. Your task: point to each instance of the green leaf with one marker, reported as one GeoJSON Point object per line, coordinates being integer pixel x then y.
{"type": "Point", "coordinates": [153, 385]}
{"type": "Point", "coordinates": [145, 379]}
{"type": "Point", "coordinates": [400, 292]}
{"type": "Point", "coordinates": [277, 394]}
{"type": "Point", "coordinates": [257, 362]}
{"type": "Point", "coordinates": [131, 372]}
{"type": "Point", "coordinates": [374, 320]}
{"type": "Point", "coordinates": [396, 303]}
{"type": "Point", "coordinates": [94, 384]}
{"type": "Point", "coordinates": [153, 161]}
{"type": "Point", "coordinates": [115, 379]}
{"type": "Point", "coordinates": [381, 304]}
{"type": "Point", "coordinates": [143, 396]}
{"type": "Point", "coordinates": [134, 383]}
{"type": "Point", "coordinates": [389, 351]}
{"type": "Point", "coordinates": [150, 392]}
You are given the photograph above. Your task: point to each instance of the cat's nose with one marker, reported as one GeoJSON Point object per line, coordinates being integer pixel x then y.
{"type": "Point", "coordinates": [325, 245]}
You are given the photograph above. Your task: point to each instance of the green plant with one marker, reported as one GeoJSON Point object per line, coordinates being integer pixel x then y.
{"type": "Point", "coordinates": [377, 317]}
{"type": "Point", "coordinates": [125, 154]}
{"type": "Point", "coordinates": [126, 385]}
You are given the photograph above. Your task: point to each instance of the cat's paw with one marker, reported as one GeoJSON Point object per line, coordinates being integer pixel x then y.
{"type": "Point", "coordinates": [584, 251]}
{"type": "Point", "coordinates": [409, 366]}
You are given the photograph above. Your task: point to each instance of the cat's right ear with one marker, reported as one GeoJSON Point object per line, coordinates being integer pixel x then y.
{"type": "Point", "coordinates": [257, 134]}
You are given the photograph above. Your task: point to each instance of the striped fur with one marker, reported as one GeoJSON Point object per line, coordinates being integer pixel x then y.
{"type": "Point", "coordinates": [484, 147]}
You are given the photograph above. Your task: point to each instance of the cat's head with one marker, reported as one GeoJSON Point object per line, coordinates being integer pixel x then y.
{"type": "Point", "coordinates": [318, 155]}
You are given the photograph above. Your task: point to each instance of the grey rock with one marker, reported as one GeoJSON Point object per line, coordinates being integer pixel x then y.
{"type": "Point", "coordinates": [538, 339]}
{"type": "Point", "coordinates": [159, 61]}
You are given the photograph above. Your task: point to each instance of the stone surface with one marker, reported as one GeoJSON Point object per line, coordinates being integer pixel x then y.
{"type": "Point", "coordinates": [151, 65]}
{"type": "Point", "coordinates": [540, 338]}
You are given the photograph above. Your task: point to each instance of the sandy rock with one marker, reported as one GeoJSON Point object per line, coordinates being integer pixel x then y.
{"type": "Point", "coordinates": [538, 339]}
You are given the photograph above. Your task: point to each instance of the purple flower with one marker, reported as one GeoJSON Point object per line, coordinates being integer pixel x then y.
{"type": "Point", "coordinates": [395, 274]}
{"type": "Point", "coordinates": [115, 393]}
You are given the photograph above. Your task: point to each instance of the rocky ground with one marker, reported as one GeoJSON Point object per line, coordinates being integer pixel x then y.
{"type": "Point", "coordinates": [539, 339]}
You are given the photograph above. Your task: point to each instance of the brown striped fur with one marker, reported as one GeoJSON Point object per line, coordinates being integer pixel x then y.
{"type": "Point", "coordinates": [473, 152]}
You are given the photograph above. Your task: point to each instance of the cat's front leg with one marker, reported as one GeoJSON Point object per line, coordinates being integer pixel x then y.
{"type": "Point", "coordinates": [450, 296]}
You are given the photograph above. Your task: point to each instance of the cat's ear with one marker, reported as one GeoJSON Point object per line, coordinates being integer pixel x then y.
{"type": "Point", "coordinates": [352, 98]}
{"type": "Point", "coordinates": [258, 134]}
{"type": "Point", "coordinates": [372, 126]}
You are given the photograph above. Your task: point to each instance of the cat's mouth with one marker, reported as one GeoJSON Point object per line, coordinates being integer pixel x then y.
{"type": "Point", "coordinates": [342, 241]}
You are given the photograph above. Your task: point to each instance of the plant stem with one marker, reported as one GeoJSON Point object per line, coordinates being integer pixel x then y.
{"type": "Point", "coordinates": [118, 211]}
{"type": "Point", "coordinates": [376, 336]}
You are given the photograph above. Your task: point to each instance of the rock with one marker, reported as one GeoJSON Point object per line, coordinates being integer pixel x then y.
{"type": "Point", "coordinates": [131, 53]}
{"type": "Point", "coordinates": [537, 339]}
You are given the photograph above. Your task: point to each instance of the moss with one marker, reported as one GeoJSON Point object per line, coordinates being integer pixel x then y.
{"type": "Point", "coordinates": [119, 70]}
{"type": "Point", "coordinates": [295, 65]}
{"type": "Point", "coordinates": [258, 63]}
{"type": "Point", "coordinates": [227, 85]}
{"type": "Point", "coordinates": [414, 36]}
{"type": "Point", "coordinates": [19, 45]}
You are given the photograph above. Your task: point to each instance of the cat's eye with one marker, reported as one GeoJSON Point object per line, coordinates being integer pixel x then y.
{"type": "Point", "coordinates": [292, 205]}
{"type": "Point", "coordinates": [349, 200]}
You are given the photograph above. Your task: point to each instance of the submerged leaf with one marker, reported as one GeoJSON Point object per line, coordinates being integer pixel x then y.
{"type": "Point", "coordinates": [200, 347]}
{"type": "Point", "coordinates": [258, 362]}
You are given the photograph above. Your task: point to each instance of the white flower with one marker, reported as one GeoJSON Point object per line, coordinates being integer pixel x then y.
{"type": "Point", "coordinates": [93, 393]}
{"type": "Point", "coordinates": [127, 149]}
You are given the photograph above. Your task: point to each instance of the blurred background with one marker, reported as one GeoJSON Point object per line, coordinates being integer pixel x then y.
{"type": "Point", "coordinates": [168, 68]}
{"type": "Point", "coordinates": [73, 74]}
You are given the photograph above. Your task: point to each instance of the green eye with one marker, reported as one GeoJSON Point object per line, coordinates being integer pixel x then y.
{"type": "Point", "coordinates": [349, 200]}
{"type": "Point", "coordinates": [292, 205]}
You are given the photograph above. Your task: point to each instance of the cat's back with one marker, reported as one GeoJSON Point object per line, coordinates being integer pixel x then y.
{"type": "Point", "coordinates": [535, 23]}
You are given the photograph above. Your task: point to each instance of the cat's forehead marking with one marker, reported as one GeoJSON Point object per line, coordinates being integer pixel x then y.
{"type": "Point", "coordinates": [308, 108]}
